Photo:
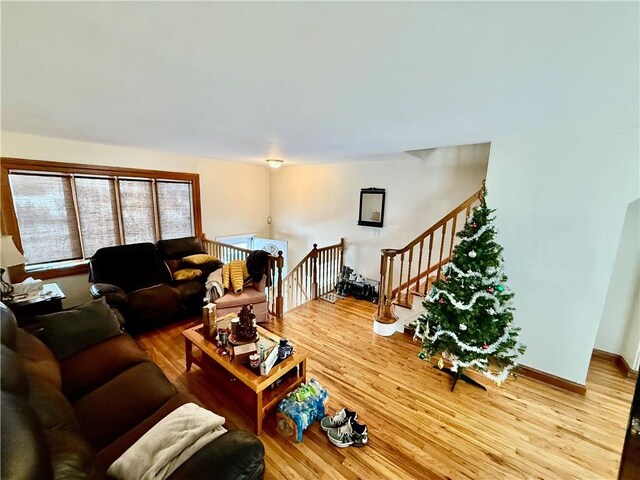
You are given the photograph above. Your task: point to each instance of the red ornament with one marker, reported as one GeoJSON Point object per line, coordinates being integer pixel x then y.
{"type": "Point", "coordinates": [485, 346]}
{"type": "Point", "coordinates": [441, 301]}
{"type": "Point", "coordinates": [490, 289]}
{"type": "Point", "coordinates": [474, 225]}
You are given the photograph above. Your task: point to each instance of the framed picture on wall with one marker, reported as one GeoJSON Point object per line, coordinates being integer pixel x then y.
{"type": "Point", "coordinates": [371, 207]}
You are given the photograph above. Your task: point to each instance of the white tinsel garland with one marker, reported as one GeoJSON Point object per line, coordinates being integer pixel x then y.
{"type": "Point", "coordinates": [484, 228]}
{"type": "Point", "coordinates": [471, 348]}
{"type": "Point", "coordinates": [500, 377]}
{"type": "Point", "coordinates": [490, 280]}
{"type": "Point", "coordinates": [437, 293]}
{"type": "Point", "coordinates": [480, 365]}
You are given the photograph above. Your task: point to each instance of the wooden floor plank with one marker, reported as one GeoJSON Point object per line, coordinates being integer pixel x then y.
{"type": "Point", "coordinates": [418, 428]}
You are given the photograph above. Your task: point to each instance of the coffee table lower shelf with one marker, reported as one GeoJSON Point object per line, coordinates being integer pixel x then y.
{"type": "Point", "coordinates": [266, 398]}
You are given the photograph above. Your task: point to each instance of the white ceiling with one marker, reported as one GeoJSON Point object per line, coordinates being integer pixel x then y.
{"type": "Point", "coordinates": [315, 82]}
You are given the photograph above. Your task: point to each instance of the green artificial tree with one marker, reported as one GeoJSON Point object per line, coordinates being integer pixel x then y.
{"type": "Point", "coordinates": [469, 312]}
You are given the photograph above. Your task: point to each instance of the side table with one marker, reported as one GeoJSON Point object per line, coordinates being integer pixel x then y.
{"type": "Point", "coordinates": [49, 300]}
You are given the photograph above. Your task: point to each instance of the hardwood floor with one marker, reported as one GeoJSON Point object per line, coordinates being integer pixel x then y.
{"type": "Point", "coordinates": [418, 429]}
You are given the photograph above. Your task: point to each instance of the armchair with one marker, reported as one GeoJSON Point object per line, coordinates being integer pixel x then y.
{"type": "Point", "coordinates": [232, 302]}
{"type": "Point", "coordinates": [135, 282]}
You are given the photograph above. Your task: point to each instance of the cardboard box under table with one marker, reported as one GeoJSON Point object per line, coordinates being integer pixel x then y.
{"type": "Point", "coordinates": [261, 387]}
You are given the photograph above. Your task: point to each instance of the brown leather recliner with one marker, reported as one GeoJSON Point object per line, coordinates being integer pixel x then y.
{"type": "Point", "coordinates": [135, 281]}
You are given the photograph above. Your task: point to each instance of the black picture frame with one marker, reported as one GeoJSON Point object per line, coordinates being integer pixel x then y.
{"type": "Point", "coordinates": [371, 212]}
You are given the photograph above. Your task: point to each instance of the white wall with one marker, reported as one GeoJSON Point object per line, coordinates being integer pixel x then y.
{"type": "Point", "coordinates": [618, 326]}
{"type": "Point", "coordinates": [631, 346]}
{"type": "Point", "coordinates": [561, 201]}
{"type": "Point", "coordinates": [234, 196]}
{"type": "Point", "coordinates": [319, 203]}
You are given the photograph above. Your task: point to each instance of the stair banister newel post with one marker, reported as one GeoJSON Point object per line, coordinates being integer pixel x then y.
{"type": "Point", "coordinates": [387, 288]}
{"type": "Point", "coordinates": [314, 270]}
{"type": "Point", "coordinates": [381, 284]}
{"type": "Point", "coordinates": [279, 297]}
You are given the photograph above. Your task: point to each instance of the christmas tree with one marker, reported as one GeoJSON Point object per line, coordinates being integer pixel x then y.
{"type": "Point", "coordinates": [469, 313]}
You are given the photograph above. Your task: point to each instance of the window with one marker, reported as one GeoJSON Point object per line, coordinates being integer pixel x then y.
{"type": "Point", "coordinates": [60, 214]}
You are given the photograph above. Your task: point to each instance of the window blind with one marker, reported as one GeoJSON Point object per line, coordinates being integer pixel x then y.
{"type": "Point", "coordinates": [138, 218]}
{"type": "Point", "coordinates": [98, 213]}
{"type": "Point", "coordinates": [46, 217]}
{"type": "Point", "coordinates": [174, 209]}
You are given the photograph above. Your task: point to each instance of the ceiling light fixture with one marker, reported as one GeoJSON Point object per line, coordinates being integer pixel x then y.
{"type": "Point", "coordinates": [274, 162]}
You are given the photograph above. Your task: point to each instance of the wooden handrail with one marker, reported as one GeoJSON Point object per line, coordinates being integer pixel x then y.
{"type": "Point", "coordinates": [434, 253]}
{"type": "Point", "coordinates": [429, 231]}
{"type": "Point", "coordinates": [313, 276]}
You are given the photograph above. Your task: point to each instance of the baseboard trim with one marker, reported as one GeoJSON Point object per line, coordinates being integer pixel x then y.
{"type": "Point", "coordinates": [602, 355]}
{"type": "Point", "coordinates": [552, 380]}
{"type": "Point", "coordinates": [618, 361]}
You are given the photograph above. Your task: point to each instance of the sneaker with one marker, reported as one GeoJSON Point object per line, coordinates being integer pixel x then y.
{"type": "Point", "coordinates": [340, 419]}
{"type": "Point", "coordinates": [350, 434]}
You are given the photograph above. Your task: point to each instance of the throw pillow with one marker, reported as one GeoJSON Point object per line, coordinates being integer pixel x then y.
{"type": "Point", "coordinates": [187, 274]}
{"type": "Point", "coordinates": [199, 259]}
{"type": "Point", "coordinates": [74, 330]}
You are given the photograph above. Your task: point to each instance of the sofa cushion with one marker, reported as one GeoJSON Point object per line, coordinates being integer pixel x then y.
{"type": "Point", "coordinates": [179, 247]}
{"type": "Point", "coordinates": [173, 264]}
{"type": "Point", "coordinates": [13, 376]}
{"type": "Point", "coordinates": [8, 327]}
{"type": "Point", "coordinates": [24, 451]}
{"type": "Point", "coordinates": [117, 406]}
{"type": "Point", "coordinates": [130, 267]}
{"type": "Point", "coordinates": [38, 360]}
{"type": "Point", "coordinates": [115, 449]}
{"type": "Point", "coordinates": [191, 291]}
{"type": "Point", "coordinates": [72, 457]}
{"type": "Point", "coordinates": [87, 370]}
{"type": "Point", "coordinates": [52, 407]}
{"type": "Point", "coordinates": [248, 296]}
{"type": "Point", "coordinates": [160, 301]}
{"type": "Point", "coordinates": [238, 454]}
{"type": "Point", "coordinates": [71, 331]}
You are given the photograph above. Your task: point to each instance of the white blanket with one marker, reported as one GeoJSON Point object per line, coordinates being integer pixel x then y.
{"type": "Point", "coordinates": [168, 444]}
{"type": "Point", "coordinates": [214, 286]}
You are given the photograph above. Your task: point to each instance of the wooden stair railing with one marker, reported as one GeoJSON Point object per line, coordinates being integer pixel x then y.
{"type": "Point", "coordinates": [315, 275]}
{"type": "Point", "coordinates": [406, 270]}
{"type": "Point", "coordinates": [227, 253]}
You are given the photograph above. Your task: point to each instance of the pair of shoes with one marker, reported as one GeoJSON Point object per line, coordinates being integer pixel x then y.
{"type": "Point", "coordinates": [344, 430]}
{"type": "Point", "coordinates": [340, 419]}
{"type": "Point", "coordinates": [351, 434]}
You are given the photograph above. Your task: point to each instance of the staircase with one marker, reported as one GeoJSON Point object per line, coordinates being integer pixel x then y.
{"type": "Point", "coordinates": [314, 276]}
{"type": "Point", "coordinates": [406, 274]}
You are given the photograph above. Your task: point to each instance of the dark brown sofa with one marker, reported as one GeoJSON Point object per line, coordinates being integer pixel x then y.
{"type": "Point", "coordinates": [72, 418]}
{"type": "Point", "coordinates": [137, 281]}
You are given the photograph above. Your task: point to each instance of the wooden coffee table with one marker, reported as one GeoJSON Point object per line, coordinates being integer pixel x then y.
{"type": "Point", "coordinates": [266, 399]}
